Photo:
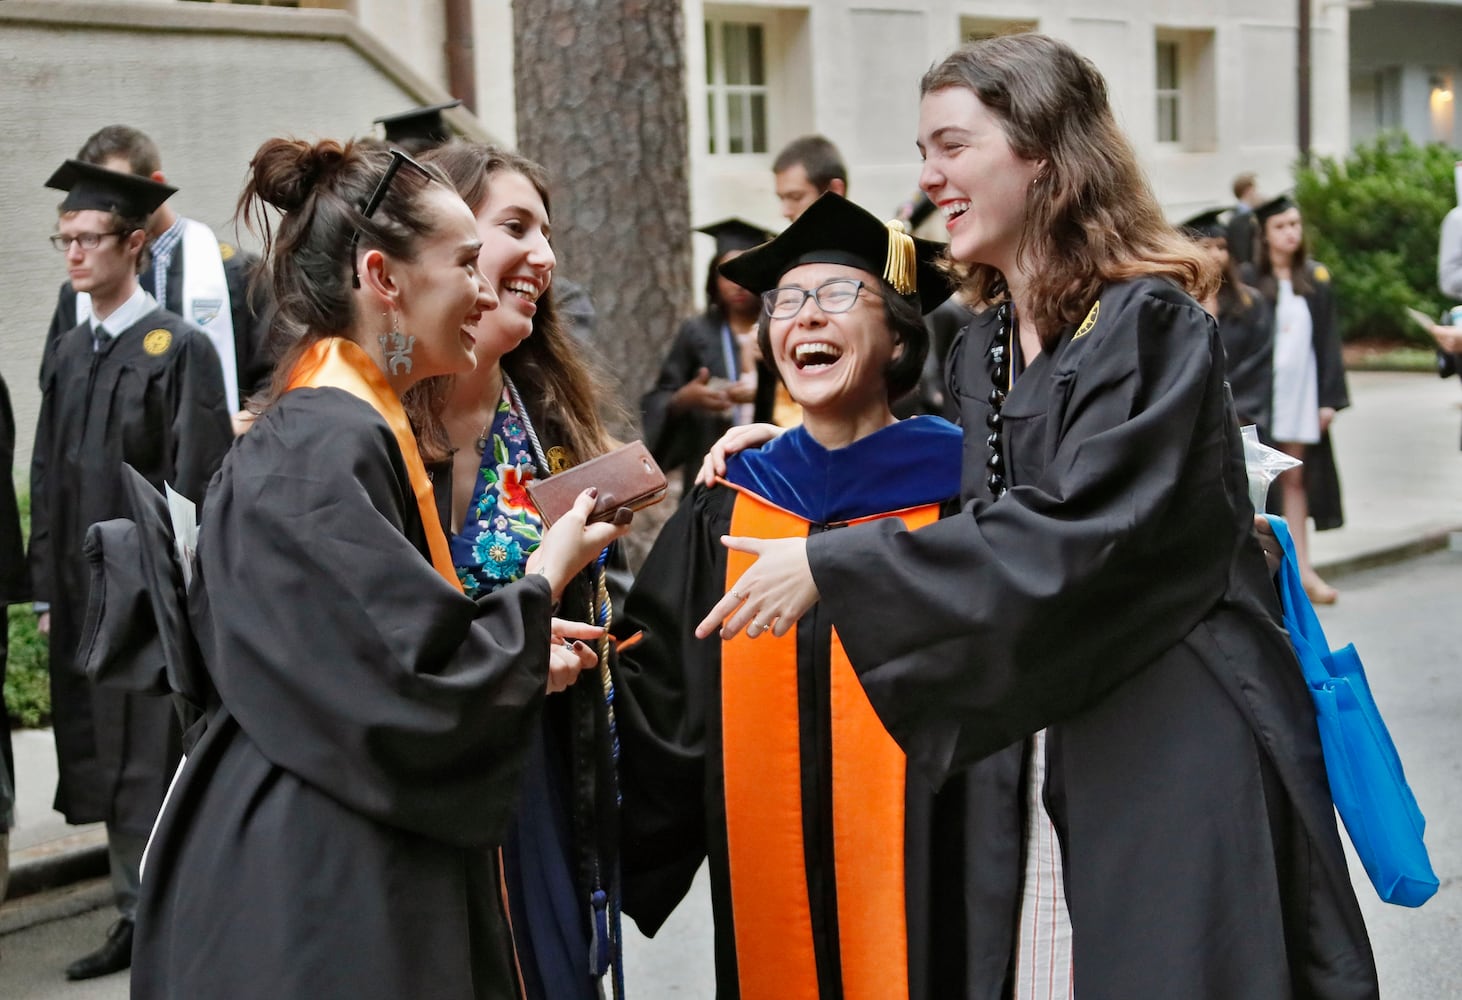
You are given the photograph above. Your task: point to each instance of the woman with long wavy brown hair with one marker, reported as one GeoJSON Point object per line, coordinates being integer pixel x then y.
{"type": "Point", "coordinates": [1101, 597]}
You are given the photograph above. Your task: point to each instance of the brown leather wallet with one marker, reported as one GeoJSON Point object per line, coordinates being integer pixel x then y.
{"type": "Point", "coordinates": [626, 477]}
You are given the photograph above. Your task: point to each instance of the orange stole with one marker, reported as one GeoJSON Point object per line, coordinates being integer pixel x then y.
{"type": "Point", "coordinates": [762, 768]}
{"type": "Point", "coordinates": [338, 363]}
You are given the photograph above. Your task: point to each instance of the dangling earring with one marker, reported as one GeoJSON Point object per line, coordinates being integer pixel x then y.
{"type": "Point", "coordinates": [397, 348]}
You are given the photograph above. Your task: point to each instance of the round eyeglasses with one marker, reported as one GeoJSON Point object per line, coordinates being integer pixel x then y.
{"type": "Point", "coordinates": [87, 241]}
{"type": "Point", "coordinates": [835, 296]}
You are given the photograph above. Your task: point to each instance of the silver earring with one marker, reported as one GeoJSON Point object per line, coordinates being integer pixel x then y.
{"type": "Point", "coordinates": [397, 348]}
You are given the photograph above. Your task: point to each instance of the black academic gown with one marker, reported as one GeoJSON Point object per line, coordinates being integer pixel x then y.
{"type": "Point", "coordinates": [681, 440]}
{"type": "Point", "coordinates": [249, 306]}
{"type": "Point", "coordinates": [1118, 597]}
{"type": "Point", "coordinates": [961, 845]}
{"type": "Point", "coordinates": [14, 580]}
{"type": "Point", "coordinates": [1322, 477]}
{"type": "Point", "coordinates": [151, 397]}
{"type": "Point", "coordinates": [333, 832]}
{"type": "Point", "coordinates": [1245, 325]}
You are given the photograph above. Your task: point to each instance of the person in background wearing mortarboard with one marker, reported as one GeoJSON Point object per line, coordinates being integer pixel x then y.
{"type": "Point", "coordinates": [134, 383]}
{"type": "Point", "coordinates": [1309, 378]}
{"type": "Point", "coordinates": [712, 378]}
{"type": "Point", "coordinates": [830, 859]}
{"type": "Point", "coordinates": [418, 129]}
{"type": "Point", "coordinates": [190, 273]}
{"type": "Point", "coordinates": [1243, 322]}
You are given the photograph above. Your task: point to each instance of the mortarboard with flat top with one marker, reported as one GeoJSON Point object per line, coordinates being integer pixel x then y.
{"type": "Point", "coordinates": [833, 230]}
{"type": "Point", "coordinates": [89, 187]}
{"type": "Point", "coordinates": [1205, 225]}
{"type": "Point", "coordinates": [1272, 207]}
{"type": "Point", "coordinates": [734, 234]}
{"type": "Point", "coordinates": [423, 125]}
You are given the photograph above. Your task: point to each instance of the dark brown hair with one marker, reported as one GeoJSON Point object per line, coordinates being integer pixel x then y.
{"type": "Point", "coordinates": [1090, 215]}
{"type": "Point", "coordinates": [122, 140]}
{"type": "Point", "coordinates": [321, 189]}
{"type": "Point", "coordinates": [548, 368]}
{"type": "Point", "coordinates": [905, 325]}
{"type": "Point", "coordinates": [817, 156]}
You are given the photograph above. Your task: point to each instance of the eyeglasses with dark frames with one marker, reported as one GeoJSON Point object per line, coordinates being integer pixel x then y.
{"type": "Point", "coordinates": [87, 241]}
{"type": "Point", "coordinates": [398, 158]}
{"type": "Point", "coordinates": [836, 296]}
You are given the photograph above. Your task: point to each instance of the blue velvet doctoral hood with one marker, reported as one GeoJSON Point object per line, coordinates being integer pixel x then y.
{"type": "Point", "coordinates": [907, 464]}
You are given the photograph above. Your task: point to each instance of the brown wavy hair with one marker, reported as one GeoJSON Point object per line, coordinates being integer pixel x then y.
{"type": "Point", "coordinates": [557, 385]}
{"type": "Point", "coordinates": [321, 189]}
{"type": "Point", "coordinates": [1090, 216]}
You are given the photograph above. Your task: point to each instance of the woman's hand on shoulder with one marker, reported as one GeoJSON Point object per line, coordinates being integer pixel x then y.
{"type": "Point", "coordinates": [572, 543]}
{"type": "Point", "coordinates": [736, 439]}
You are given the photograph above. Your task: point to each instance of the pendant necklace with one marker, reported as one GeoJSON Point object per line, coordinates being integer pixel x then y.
{"type": "Point", "coordinates": [1001, 362]}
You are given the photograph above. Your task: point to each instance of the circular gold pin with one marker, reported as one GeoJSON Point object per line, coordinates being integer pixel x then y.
{"type": "Point", "coordinates": [157, 341]}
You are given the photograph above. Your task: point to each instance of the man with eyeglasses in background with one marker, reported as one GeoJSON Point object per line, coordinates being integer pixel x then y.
{"type": "Point", "coordinates": [190, 272]}
{"type": "Point", "coordinates": [133, 383]}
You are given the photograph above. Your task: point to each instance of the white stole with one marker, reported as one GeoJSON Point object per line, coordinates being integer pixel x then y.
{"type": "Point", "coordinates": [205, 301]}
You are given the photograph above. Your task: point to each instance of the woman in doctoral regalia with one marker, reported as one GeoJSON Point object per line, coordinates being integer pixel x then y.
{"type": "Point", "coordinates": [334, 830]}
{"type": "Point", "coordinates": [834, 867]}
{"type": "Point", "coordinates": [1101, 594]}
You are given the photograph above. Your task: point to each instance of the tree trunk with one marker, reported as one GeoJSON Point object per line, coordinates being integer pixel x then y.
{"type": "Point", "coordinates": [601, 104]}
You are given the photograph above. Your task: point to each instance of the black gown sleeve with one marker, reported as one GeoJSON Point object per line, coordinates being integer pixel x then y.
{"type": "Point", "coordinates": [667, 686]}
{"type": "Point", "coordinates": [341, 652]}
{"type": "Point", "coordinates": [201, 430]}
{"type": "Point", "coordinates": [14, 583]}
{"type": "Point", "coordinates": [39, 553]}
{"type": "Point", "coordinates": [671, 437]}
{"type": "Point", "coordinates": [982, 628]}
{"type": "Point", "coordinates": [1329, 361]}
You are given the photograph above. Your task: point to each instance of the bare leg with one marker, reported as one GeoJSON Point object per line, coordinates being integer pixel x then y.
{"type": "Point", "coordinates": [1296, 504]}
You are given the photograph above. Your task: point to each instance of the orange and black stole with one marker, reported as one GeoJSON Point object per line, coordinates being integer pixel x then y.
{"type": "Point", "coordinates": [762, 764]}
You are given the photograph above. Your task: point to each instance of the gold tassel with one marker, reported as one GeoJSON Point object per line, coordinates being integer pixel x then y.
{"type": "Point", "coordinates": [899, 270]}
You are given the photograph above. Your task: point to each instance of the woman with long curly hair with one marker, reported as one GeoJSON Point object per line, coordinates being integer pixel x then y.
{"type": "Point", "coordinates": [1101, 596]}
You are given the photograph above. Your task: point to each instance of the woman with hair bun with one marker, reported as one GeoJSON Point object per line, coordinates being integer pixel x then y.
{"type": "Point", "coordinates": [1100, 599]}
{"type": "Point", "coordinates": [333, 831]}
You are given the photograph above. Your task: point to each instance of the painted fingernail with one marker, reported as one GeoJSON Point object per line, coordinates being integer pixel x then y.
{"type": "Point", "coordinates": [623, 516]}
{"type": "Point", "coordinates": [593, 491]}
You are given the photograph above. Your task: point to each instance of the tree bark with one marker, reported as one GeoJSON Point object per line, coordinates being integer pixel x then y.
{"type": "Point", "coordinates": [601, 104]}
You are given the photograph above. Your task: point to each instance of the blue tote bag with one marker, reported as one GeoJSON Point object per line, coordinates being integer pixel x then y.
{"type": "Point", "coordinates": [1366, 780]}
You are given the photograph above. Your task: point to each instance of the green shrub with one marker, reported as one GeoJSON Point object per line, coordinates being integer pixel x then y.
{"type": "Point", "coordinates": [27, 675]}
{"type": "Point", "coordinates": [27, 678]}
{"type": "Point", "coordinates": [1374, 219]}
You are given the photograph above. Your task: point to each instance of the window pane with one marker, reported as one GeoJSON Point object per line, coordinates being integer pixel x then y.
{"type": "Point", "coordinates": [735, 123]}
{"type": "Point", "coordinates": [1167, 118]}
{"type": "Point", "coordinates": [758, 123]}
{"type": "Point", "coordinates": [711, 54]}
{"type": "Point", "coordinates": [1167, 65]}
{"type": "Point", "coordinates": [736, 56]}
{"type": "Point", "coordinates": [756, 72]}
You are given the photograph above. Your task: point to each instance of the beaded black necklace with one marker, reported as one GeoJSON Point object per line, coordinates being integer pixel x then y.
{"type": "Point", "coordinates": [1001, 362]}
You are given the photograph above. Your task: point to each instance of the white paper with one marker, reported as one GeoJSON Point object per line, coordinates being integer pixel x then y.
{"type": "Point", "coordinates": [184, 515]}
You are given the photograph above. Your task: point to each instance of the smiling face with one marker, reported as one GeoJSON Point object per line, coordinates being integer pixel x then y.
{"type": "Point", "coordinates": [974, 177]}
{"type": "Point", "coordinates": [442, 295]}
{"type": "Point", "coordinates": [834, 364]}
{"type": "Point", "coordinates": [516, 257]}
{"type": "Point", "coordinates": [1284, 233]}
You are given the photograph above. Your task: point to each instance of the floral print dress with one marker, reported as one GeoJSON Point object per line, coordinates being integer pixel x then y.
{"type": "Point", "coordinates": [502, 527]}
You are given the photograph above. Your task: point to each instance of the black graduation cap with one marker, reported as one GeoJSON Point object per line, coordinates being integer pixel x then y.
{"type": "Point", "coordinates": [835, 231]}
{"type": "Point", "coordinates": [734, 234]}
{"type": "Point", "coordinates": [1205, 225]}
{"type": "Point", "coordinates": [88, 186]}
{"type": "Point", "coordinates": [1282, 203]}
{"type": "Point", "coordinates": [419, 125]}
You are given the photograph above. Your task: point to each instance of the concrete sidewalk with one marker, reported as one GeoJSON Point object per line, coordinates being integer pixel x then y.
{"type": "Point", "coordinates": [1401, 475]}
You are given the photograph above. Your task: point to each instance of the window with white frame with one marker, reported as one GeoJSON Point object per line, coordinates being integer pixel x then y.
{"type": "Point", "coordinates": [736, 86]}
{"type": "Point", "coordinates": [1185, 89]}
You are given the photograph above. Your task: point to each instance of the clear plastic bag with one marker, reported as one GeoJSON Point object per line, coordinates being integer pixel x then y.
{"type": "Point", "coordinates": [1264, 464]}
